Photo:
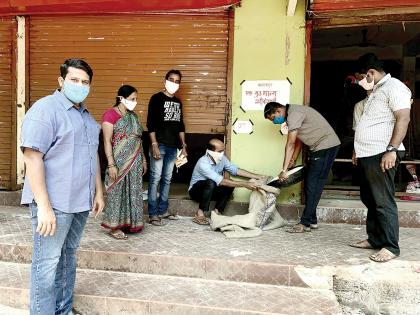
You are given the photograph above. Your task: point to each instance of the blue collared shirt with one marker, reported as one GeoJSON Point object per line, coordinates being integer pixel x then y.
{"type": "Point", "coordinates": [68, 138]}
{"type": "Point", "coordinates": [207, 169]}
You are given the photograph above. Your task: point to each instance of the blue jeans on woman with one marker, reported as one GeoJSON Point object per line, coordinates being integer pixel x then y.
{"type": "Point", "coordinates": [160, 175]}
{"type": "Point", "coordinates": [53, 270]}
{"type": "Point", "coordinates": [317, 170]}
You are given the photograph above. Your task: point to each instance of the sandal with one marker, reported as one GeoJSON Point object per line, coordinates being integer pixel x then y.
{"type": "Point", "coordinates": [362, 244]}
{"type": "Point", "coordinates": [169, 216]}
{"type": "Point", "coordinates": [74, 312]}
{"type": "Point", "coordinates": [383, 255]}
{"type": "Point", "coordinates": [118, 235]}
{"type": "Point", "coordinates": [299, 228]}
{"type": "Point", "coordinates": [201, 220]}
{"type": "Point", "coordinates": [156, 221]}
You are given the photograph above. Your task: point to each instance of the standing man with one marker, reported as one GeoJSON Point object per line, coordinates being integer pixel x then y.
{"type": "Point", "coordinates": [207, 182]}
{"type": "Point", "coordinates": [306, 125]}
{"type": "Point", "coordinates": [63, 182]}
{"type": "Point", "coordinates": [379, 149]}
{"type": "Point", "coordinates": [167, 132]}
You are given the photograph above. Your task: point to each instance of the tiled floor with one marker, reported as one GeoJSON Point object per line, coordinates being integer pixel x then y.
{"type": "Point", "coordinates": [217, 295]}
{"type": "Point", "coordinates": [325, 246]}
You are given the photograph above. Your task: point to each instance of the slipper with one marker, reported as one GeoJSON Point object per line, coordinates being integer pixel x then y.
{"type": "Point", "coordinates": [299, 228]}
{"type": "Point", "coordinates": [156, 221]}
{"type": "Point", "coordinates": [362, 244]}
{"type": "Point", "coordinates": [201, 220]}
{"type": "Point", "coordinates": [169, 216]}
{"type": "Point", "coordinates": [118, 235]}
{"type": "Point", "coordinates": [74, 312]}
{"type": "Point", "coordinates": [383, 255]}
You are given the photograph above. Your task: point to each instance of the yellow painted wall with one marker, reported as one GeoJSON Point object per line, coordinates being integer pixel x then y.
{"type": "Point", "coordinates": [268, 45]}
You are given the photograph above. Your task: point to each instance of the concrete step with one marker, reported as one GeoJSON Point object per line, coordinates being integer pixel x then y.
{"type": "Point", "coordinates": [329, 210]}
{"type": "Point", "coordinates": [185, 249]}
{"type": "Point", "coordinates": [105, 292]}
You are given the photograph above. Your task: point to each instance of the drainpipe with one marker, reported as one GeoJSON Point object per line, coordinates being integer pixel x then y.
{"type": "Point", "coordinates": [20, 93]}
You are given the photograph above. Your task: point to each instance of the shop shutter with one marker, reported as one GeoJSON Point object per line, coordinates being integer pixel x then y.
{"type": "Point", "coordinates": [6, 102]}
{"type": "Point", "coordinates": [327, 13]}
{"type": "Point", "coordinates": [138, 50]}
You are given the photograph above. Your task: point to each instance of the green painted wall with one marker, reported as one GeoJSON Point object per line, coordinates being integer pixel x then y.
{"type": "Point", "coordinates": [268, 45]}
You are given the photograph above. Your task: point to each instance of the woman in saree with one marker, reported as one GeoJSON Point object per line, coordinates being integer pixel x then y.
{"type": "Point", "coordinates": [122, 132]}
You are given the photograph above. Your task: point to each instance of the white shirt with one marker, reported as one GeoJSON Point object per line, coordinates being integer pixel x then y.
{"type": "Point", "coordinates": [374, 130]}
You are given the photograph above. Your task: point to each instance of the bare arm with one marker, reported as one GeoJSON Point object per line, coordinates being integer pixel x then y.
{"type": "Point", "coordinates": [184, 145]}
{"type": "Point", "coordinates": [296, 152]}
{"type": "Point", "coordinates": [402, 117]}
{"type": "Point", "coordinates": [246, 174]}
{"type": "Point", "coordinates": [155, 146]}
{"type": "Point", "coordinates": [108, 131]}
{"type": "Point", "coordinates": [98, 203]}
{"type": "Point", "coordinates": [35, 172]}
{"type": "Point", "coordinates": [235, 183]}
{"type": "Point", "coordinates": [289, 150]}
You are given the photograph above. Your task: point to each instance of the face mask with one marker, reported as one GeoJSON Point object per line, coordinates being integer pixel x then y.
{"type": "Point", "coordinates": [171, 87]}
{"type": "Point", "coordinates": [367, 86]}
{"type": "Point", "coordinates": [279, 120]}
{"type": "Point", "coordinates": [217, 156]}
{"type": "Point", "coordinates": [74, 92]}
{"type": "Point", "coordinates": [130, 105]}
{"type": "Point", "coordinates": [284, 129]}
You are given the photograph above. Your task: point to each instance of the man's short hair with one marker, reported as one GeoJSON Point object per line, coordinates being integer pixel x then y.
{"type": "Point", "coordinates": [369, 61]}
{"type": "Point", "coordinates": [270, 108]}
{"type": "Point", "coordinates": [78, 64]}
{"type": "Point", "coordinates": [211, 145]}
{"type": "Point", "coordinates": [173, 72]}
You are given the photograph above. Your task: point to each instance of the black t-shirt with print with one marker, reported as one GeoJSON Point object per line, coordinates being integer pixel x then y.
{"type": "Point", "coordinates": [165, 119]}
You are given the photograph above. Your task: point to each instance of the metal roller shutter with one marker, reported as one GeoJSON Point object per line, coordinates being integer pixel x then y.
{"type": "Point", "coordinates": [7, 142]}
{"type": "Point", "coordinates": [138, 50]}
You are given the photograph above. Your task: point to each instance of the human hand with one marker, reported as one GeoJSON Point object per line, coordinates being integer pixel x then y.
{"type": "Point", "coordinates": [250, 186]}
{"type": "Point", "coordinates": [388, 161]}
{"type": "Point", "coordinates": [155, 152]}
{"type": "Point", "coordinates": [283, 176]}
{"type": "Point", "coordinates": [144, 165]}
{"type": "Point", "coordinates": [46, 221]}
{"type": "Point", "coordinates": [292, 164]}
{"type": "Point", "coordinates": [184, 152]}
{"type": "Point", "coordinates": [113, 173]}
{"type": "Point", "coordinates": [98, 204]}
{"type": "Point", "coordinates": [354, 158]}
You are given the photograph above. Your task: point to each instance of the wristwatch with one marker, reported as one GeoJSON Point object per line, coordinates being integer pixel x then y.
{"type": "Point", "coordinates": [390, 148]}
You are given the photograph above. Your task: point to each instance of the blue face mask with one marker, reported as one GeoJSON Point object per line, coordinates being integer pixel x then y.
{"type": "Point", "coordinates": [74, 92]}
{"type": "Point", "coordinates": [279, 120]}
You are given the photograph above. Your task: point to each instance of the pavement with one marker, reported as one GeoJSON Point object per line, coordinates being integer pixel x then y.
{"type": "Point", "coordinates": [184, 268]}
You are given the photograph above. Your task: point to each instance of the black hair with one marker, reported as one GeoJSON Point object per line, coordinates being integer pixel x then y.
{"type": "Point", "coordinates": [124, 91]}
{"type": "Point", "coordinates": [173, 72]}
{"type": "Point", "coordinates": [369, 61]}
{"type": "Point", "coordinates": [78, 64]}
{"type": "Point", "coordinates": [270, 108]}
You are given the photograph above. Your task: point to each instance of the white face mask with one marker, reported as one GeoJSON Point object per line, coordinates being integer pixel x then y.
{"type": "Point", "coordinates": [130, 105]}
{"type": "Point", "coordinates": [171, 87]}
{"type": "Point", "coordinates": [217, 156]}
{"type": "Point", "coordinates": [367, 86]}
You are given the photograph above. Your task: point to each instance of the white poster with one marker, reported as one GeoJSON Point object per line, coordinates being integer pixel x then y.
{"type": "Point", "coordinates": [255, 94]}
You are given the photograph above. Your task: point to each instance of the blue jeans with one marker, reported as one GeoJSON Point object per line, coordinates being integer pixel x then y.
{"type": "Point", "coordinates": [53, 270]}
{"type": "Point", "coordinates": [317, 170]}
{"type": "Point", "coordinates": [160, 175]}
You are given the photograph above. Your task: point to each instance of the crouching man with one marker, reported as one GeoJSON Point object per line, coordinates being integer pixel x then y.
{"type": "Point", "coordinates": [207, 182]}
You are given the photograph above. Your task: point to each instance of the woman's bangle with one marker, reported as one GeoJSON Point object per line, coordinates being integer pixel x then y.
{"type": "Point", "coordinates": [155, 143]}
{"type": "Point", "coordinates": [111, 165]}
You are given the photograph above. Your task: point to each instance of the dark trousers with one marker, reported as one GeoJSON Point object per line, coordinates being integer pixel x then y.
{"type": "Point", "coordinates": [377, 190]}
{"type": "Point", "coordinates": [317, 170]}
{"type": "Point", "coordinates": [205, 191]}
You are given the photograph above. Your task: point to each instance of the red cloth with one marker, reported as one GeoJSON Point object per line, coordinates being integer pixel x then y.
{"type": "Point", "coordinates": [111, 116]}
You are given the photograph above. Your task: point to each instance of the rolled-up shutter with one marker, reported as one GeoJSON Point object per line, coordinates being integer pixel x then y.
{"type": "Point", "coordinates": [6, 102]}
{"type": "Point", "coordinates": [138, 50]}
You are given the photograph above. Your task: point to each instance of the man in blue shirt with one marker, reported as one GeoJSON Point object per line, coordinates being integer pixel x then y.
{"type": "Point", "coordinates": [207, 181]}
{"type": "Point", "coordinates": [62, 184]}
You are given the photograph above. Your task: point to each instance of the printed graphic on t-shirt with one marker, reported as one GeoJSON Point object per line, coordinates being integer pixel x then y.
{"type": "Point", "coordinates": [172, 111]}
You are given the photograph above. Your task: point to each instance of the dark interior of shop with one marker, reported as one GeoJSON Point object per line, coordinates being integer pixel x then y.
{"type": "Point", "coordinates": [334, 52]}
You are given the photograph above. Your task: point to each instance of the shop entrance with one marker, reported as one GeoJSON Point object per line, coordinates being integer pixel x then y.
{"type": "Point", "coordinates": [334, 93]}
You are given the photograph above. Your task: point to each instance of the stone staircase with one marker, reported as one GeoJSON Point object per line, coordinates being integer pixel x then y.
{"type": "Point", "coordinates": [184, 268]}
